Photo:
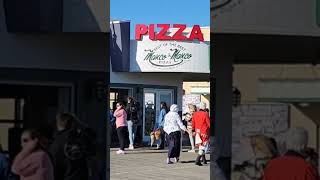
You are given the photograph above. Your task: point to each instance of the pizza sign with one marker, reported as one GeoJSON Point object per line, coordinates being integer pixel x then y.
{"type": "Point", "coordinates": [162, 33]}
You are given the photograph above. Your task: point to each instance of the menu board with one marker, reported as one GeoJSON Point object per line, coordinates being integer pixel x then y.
{"type": "Point", "coordinates": [254, 119]}
{"type": "Point", "coordinates": [190, 99]}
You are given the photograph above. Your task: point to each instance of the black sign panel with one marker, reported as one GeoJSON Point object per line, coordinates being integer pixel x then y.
{"type": "Point", "coordinates": [120, 46]}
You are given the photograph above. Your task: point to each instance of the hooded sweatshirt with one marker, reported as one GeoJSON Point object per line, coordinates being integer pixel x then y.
{"type": "Point", "coordinates": [172, 121]}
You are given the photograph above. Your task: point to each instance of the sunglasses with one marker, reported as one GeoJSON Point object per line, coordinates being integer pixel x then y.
{"type": "Point", "coordinates": [25, 140]}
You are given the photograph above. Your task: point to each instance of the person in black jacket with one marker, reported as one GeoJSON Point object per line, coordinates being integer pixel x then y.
{"type": "Point", "coordinates": [132, 119]}
{"type": "Point", "coordinates": [69, 163]}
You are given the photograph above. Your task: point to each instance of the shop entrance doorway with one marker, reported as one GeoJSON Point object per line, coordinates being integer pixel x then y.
{"type": "Point", "coordinates": [151, 109]}
{"type": "Point", "coordinates": [26, 105]}
{"type": "Point", "coordinates": [117, 94]}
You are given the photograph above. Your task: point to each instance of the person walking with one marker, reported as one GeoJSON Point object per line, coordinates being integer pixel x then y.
{"type": "Point", "coordinates": [159, 124]}
{"type": "Point", "coordinates": [172, 127]}
{"type": "Point", "coordinates": [33, 162]}
{"type": "Point", "coordinates": [188, 118]}
{"type": "Point", "coordinates": [70, 149]}
{"type": "Point", "coordinates": [121, 125]}
{"type": "Point", "coordinates": [292, 165]}
{"type": "Point", "coordinates": [5, 170]}
{"type": "Point", "coordinates": [132, 119]}
{"type": "Point", "coordinates": [201, 131]}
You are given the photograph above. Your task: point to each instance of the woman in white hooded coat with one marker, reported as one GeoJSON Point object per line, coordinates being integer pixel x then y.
{"type": "Point", "coordinates": [172, 127]}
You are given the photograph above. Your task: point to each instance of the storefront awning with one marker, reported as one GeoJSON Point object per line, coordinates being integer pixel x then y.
{"type": "Point", "coordinates": [290, 90]}
{"type": "Point", "coordinates": [200, 90]}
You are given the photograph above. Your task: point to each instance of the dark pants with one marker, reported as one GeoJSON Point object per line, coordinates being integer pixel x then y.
{"type": "Point", "coordinates": [122, 132]}
{"type": "Point", "coordinates": [174, 144]}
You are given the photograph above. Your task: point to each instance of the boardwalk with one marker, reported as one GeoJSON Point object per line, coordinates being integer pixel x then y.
{"type": "Point", "coordinates": [141, 164]}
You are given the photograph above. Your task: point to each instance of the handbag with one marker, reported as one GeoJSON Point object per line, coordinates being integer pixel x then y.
{"type": "Point", "coordinates": [198, 139]}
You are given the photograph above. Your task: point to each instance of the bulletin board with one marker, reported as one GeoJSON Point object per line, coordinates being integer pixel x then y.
{"type": "Point", "coordinates": [271, 120]}
{"type": "Point", "coordinates": [190, 99]}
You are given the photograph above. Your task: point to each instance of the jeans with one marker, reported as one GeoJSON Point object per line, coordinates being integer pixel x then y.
{"type": "Point", "coordinates": [132, 128]}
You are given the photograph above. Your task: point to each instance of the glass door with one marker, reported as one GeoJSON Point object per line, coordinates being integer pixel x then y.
{"type": "Point", "coordinates": [149, 113]}
{"type": "Point", "coordinates": [152, 99]}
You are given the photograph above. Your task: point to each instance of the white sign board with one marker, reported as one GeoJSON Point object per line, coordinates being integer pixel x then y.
{"type": "Point", "coordinates": [256, 119]}
{"type": "Point", "coordinates": [190, 99]}
{"type": "Point", "coordinates": [169, 56]}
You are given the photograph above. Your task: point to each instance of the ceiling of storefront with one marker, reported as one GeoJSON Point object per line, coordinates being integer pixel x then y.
{"type": "Point", "coordinates": [195, 77]}
{"type": "Point", "coordinates": [267, 49]}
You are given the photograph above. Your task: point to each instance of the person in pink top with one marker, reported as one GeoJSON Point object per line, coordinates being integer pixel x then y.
{"type": "Point", "coordinates": [33, 162]}
{"type": "Point", "coordinates": [121, 125]}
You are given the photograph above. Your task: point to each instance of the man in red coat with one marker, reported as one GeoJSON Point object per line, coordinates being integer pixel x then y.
{"type": "Point", "coordinates": [292, 166]}
{"type": "Point", "coordinates": [201, 129]}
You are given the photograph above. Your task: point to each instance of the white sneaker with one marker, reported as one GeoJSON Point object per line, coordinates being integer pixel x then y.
{"type": "Point", "coordinates": [192, 151]}
{"type": "Point", "coordinates": [131, 147]}
{"type": "Point", "coordinates": [158, 146]}
{"type": "Point", "coordinates": [120, 152]}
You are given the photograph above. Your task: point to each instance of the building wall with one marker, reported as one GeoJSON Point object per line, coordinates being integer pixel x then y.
{"type": "Point", "coordinates": [78, 16]}
{"type": "Point", "coordinates": [161, 79]}
{"type": "Point", "coordinates": [80, 59]}
{"type": "Point", "coordinates": [287, 17]}
{"type": "Point", "coordinates": [7, 112]}
{"type": "Point", "coordinates": [86, 16]}
{"type": "Point", "coordinates": [246, 78]}
{"type": "Point", "coordinates": [84, 52]}
{"type": "Point", "coordinates": [187, 86]}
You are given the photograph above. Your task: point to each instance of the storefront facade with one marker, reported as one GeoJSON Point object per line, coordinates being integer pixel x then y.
{"type": "Point", "coordinates": [148, 78]}
{"type": "Point", "coordinates": [43, 74]}
{"type": "Point", "coordinates": [266, 51]}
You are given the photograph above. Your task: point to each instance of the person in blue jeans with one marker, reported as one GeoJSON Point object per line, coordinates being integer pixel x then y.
{"type": "Point", "coordinates": [132, 119]}
{"type": "Point", "coordinates": [4, 166]}
{"type": "Point", "coordinates": [159, 124]}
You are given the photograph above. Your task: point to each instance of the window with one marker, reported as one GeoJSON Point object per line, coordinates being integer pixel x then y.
{"type": "Point", "coordinates": [7, 117]}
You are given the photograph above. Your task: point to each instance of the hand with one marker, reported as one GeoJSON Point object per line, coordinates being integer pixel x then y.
{"type": "Point", "coordinates": [193, 133]}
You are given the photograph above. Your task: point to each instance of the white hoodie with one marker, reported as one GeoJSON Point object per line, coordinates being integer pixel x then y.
{"type": "Point", "coordinates": [172, 121]}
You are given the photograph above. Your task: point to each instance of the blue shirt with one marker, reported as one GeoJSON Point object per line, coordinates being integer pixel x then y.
{"type": "Point", "coordinates": [162, 114]}
{"type": "Point", "coordinates": [4, 167]}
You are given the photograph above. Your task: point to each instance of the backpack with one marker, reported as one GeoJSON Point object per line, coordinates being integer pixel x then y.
{"type": "Point", "coordinates": [134, 108]}
{"type": "Point", "coordinates": [80, 144]}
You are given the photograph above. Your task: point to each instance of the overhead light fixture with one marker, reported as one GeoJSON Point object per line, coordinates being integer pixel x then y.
{"type": "Point", "coordinates": [304, 104]}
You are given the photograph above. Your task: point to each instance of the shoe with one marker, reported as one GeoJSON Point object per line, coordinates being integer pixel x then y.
{"type": "Point", "coordinates": [204, 160]}
{"type": "Point", "coordinates": [168, 161]}
{"type": "Point", "coordinates": [120, 152]}
{"type": "Point", "coordinates": [192, 151]}
{"type": "Point", "coordinates": [176, 160]}
{"type": "Point", "coordinates": [131, 147]}
{"type": "Point", "coordinates": [198, 160]}
{"type": "Point", "coordinates": [158, 146]}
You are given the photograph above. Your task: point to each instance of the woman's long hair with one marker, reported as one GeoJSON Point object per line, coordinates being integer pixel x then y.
{"type": "Point", "coordinates": [164, 106]}
{"type": "Point", "coordinates": [35, 134]}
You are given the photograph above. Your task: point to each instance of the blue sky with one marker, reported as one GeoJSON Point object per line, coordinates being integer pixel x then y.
{"type": "Point", "coordinates": [188, 12]}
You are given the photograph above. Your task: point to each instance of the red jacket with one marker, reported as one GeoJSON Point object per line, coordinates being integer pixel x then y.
{"type": "Point", "coordinates": [290, 167]}
{"type": "Point", "coordinates": [201, 121]}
